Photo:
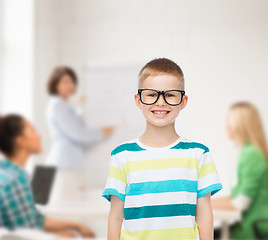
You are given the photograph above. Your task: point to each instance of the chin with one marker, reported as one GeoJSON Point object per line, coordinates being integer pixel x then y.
{"type": "Point", "coordinates": [37, 151]}
{"type": "Point", "coordinates": [159, 124]}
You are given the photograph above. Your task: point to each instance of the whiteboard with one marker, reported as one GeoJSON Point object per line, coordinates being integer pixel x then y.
{"type": "Point", "coordinates": [109, 91]}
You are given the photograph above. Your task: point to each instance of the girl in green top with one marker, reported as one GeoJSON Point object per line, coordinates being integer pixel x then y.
{"type": "Point", "coordinates": [250, 195]}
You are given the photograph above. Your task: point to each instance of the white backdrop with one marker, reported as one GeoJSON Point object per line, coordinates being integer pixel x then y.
{"type": "Point", "coordinates": [220, 45]}
{"type": "Point", "coordinates": [110, 89]}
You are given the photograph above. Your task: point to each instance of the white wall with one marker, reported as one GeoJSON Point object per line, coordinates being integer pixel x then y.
{"type": "Point", "coordinates": [220, 45]}
{"type": "Point", "coordinates": [1, 49]}
{"type": "Point", "coordinates": [46, 57]}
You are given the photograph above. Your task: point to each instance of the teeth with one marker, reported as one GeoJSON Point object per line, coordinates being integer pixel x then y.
{"type": "Point", "coordinates": [161, 112]}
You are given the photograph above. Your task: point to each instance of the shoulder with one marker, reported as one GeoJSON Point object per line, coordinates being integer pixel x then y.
{"type": "Point", "coordinates": [250, 148]}
{"type": "Point", "coordinates": [11, 176]}
{"type": "Point", "coordinates": [57, 107]}
{"type": "Point", "coordinates": [127, 146]}
{"type": "Point", "coordinates": [191, 145]}
{"type": "Point", "coordinates": [55, 102]}
{"type": "Point", "coordinates": [251, 154]}
{"type": "Point", "coordinates": [7, 181]}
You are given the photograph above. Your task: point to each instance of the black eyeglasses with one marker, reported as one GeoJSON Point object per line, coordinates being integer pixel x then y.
{"type": "Point", "coordinates": [171, 97]}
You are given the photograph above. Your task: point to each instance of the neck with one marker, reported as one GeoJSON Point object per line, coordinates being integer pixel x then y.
{"type": "Point", "coordinates": [65, 98]}
{"type": "Point", "coordinates": [20, 158]}
{"type": "Point", "coordinates": [239, 143]}
{"type": "Point", "coordinates": [159, 136]}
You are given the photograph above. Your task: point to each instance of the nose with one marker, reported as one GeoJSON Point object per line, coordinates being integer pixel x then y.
{"type": "Point", "coordinates": [161, 100]}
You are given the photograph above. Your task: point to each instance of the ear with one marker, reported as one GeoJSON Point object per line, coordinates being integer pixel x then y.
{"type": "Point", "coordinates": [19, 142]}
{"type": "Point", "coordinates": [137, 100]}
{"type": "Point", "coordinates": [184, 102]}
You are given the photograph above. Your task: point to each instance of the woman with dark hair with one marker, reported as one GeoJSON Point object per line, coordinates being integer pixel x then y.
{"type": "Point", "coordinates": [19, 140]}
{"type": "Point", "coordinates": [70, 136]}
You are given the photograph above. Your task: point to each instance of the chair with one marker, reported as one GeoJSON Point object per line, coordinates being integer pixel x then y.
{"type": "Point", "coordinates": [257, 231]}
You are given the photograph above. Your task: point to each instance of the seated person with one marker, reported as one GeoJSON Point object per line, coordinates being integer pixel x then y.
{"type": "Point", "coordinates": [250, 194]}
{"type": "Point", "coordinates": [18, 140]}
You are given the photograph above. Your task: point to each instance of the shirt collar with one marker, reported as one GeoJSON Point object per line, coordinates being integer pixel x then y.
{"type": "Point", "coordinates": [8, 164]}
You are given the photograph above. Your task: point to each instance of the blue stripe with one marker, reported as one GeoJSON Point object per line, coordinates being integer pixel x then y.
{"type": "Point", "coordinates": [133, 147]}
{"type": "Point", "coordinates": [111, 191]}
{"type": "Point", "coordinates": [214, 188]}
{"type": "Point", "coordinates": [161, 186]}
{"type": "Point", "coordinates": [168, 210]}
{"type": "Point", "coordinates": [188, 145]}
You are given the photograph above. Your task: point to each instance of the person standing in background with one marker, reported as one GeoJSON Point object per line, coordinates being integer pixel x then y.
{"type": "Point", "coordinates": [250, 194]}
{"type": "Point", "coordinates": [70, 136]}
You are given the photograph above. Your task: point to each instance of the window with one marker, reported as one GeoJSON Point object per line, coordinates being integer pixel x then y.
{"type": "Point", "coordinates": [16, 56]}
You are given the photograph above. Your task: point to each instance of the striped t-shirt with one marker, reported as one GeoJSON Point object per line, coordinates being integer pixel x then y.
{"type": "Point", "coordinates": [160, 187]}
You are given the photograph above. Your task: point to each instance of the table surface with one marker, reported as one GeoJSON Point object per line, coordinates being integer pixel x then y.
{"type": "Point", "coordinates": [33, 234]}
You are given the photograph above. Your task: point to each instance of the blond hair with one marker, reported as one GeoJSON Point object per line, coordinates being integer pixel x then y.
{"type": "Point", "coordinates": [246, 122]}
{"type": "Point", "coordinates": [161, 66]}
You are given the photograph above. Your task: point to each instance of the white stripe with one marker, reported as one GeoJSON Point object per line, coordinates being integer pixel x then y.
{"type": "Point", "coordinates": [159, 223]}
{"type": "Point", "coordinates": [160, 199]}
{"type": "Point", "coordinates": [162, 175]}
{"type": "Point", "coordinates": [116, 184]}
{"type": "Point", "coordinates": [212, 178]}
{"type": "Point", "coordinates": [115, 162]}
{"type": "Point", "coordinates": [205, 158]}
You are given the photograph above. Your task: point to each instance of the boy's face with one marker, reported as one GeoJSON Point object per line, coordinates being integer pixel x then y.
{"type": "Point", "coordinates": [160, 113]}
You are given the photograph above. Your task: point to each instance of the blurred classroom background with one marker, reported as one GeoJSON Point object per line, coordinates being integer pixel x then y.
{"type": "Point", "coordinates": [220, 45]}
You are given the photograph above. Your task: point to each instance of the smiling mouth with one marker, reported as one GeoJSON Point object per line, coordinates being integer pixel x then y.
{"type": "Point", "coordinates": [160, 114]}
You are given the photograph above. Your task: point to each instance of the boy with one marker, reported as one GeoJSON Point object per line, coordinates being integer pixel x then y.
{"type": "Point", "coordinates": [160, 183]}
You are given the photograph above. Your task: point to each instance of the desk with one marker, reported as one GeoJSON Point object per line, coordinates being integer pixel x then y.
{"type": "Point", "coordinates": [94, 215]}
{"type": "Point", "coordinates": [33, 234]}
{"type": "Point", "coordinates": [76, 210]}
{"type": "Point", "coordinates": [92, 211]}
{"type": "Point", "coordinates": [94, 206]}
{"type": "Point", "coordinates": [225, 217]}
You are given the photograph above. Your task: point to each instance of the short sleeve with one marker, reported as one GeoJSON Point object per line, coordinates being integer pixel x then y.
{"type": "Point", "coordinates": [208, 178]}
{"type": "Point", "coordinates": [251, 170]}
{"type": "Point", "coordinates": [117, 180]}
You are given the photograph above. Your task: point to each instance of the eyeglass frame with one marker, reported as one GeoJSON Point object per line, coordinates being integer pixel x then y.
{"type": "Point", "coordinates": [161, 93]}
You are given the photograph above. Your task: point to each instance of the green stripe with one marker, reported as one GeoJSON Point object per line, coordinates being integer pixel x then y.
{"type": "Point", "coordinates": [160, 211]}
{"type": "Point", "coordinates": [188, 145]}
{"type": "Point", "coordinates": [132, 147]}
